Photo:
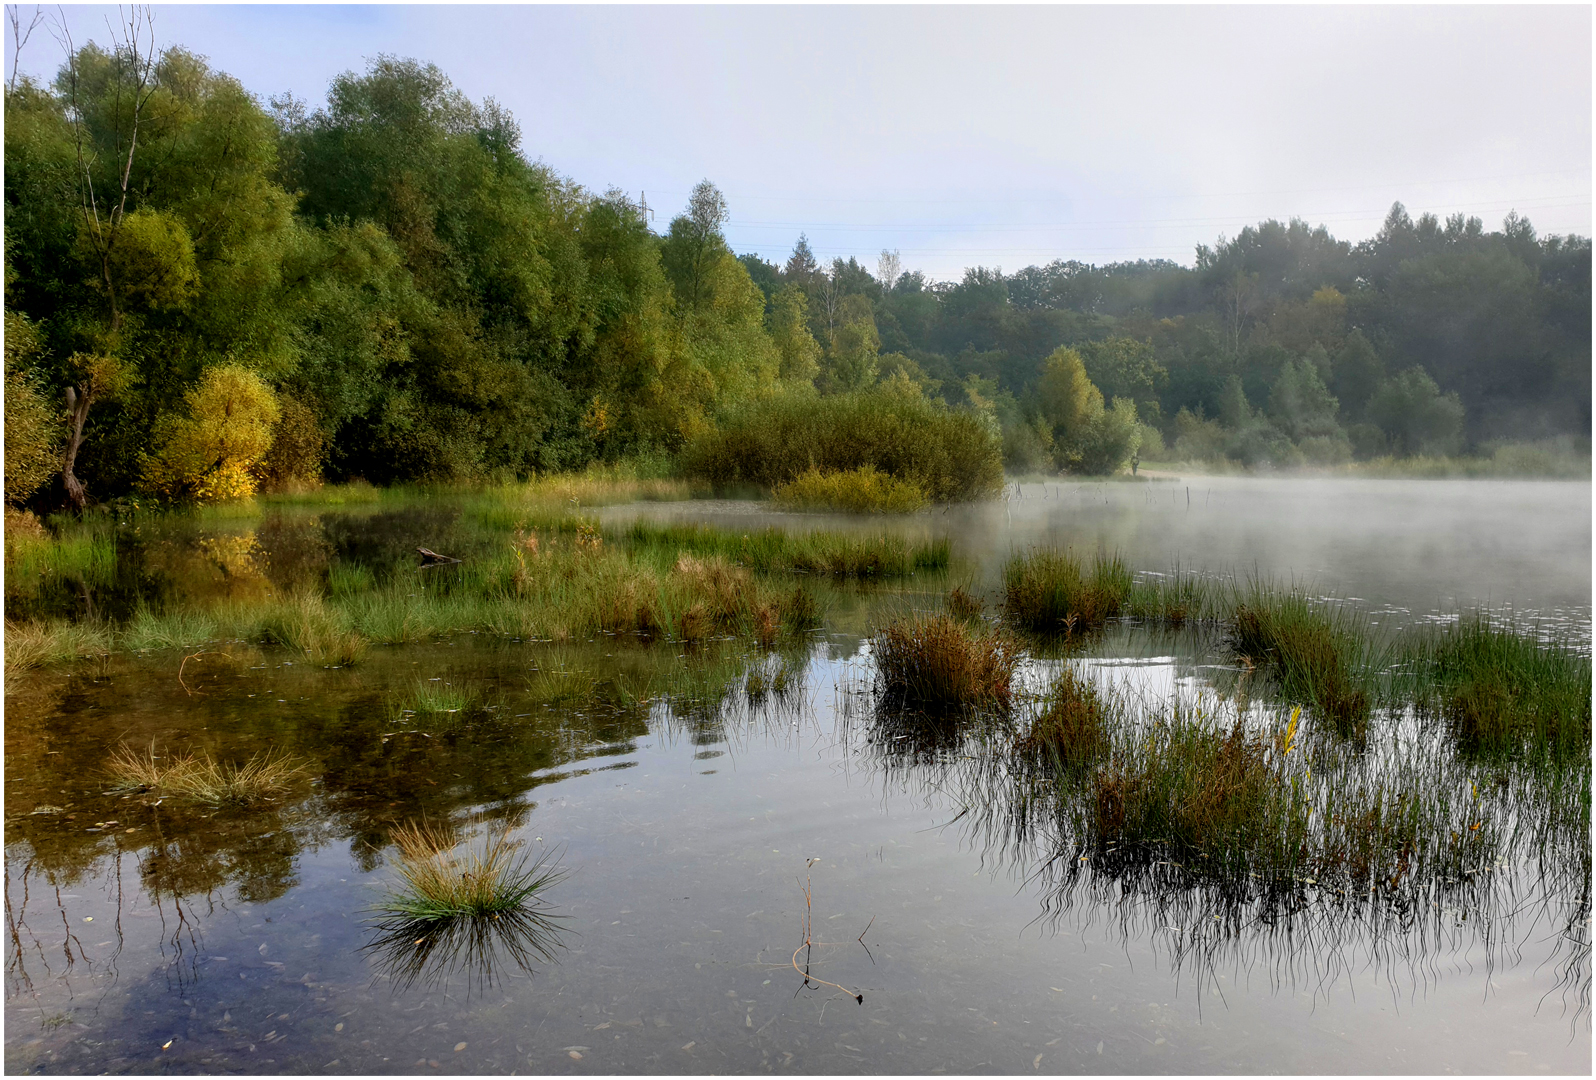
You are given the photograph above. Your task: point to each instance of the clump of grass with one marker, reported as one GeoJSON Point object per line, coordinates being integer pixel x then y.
{"type": "Point", "coordinates": [1501, 691]}
{"type": "Point", "coordinates": [1317, 656]}
{"type": "Point", "coordinates": [1051, 591]}
{"type": "Point", "coordinates": [1175, 598]}
{"type": "Point", "coordinates": [439, 883]}
{"type": "Point", "coordinates": [170, 630]}
{"type": "Point", "coordinates": [216, 783]}
{"type": "Point", "coordinates": [774, 550]}
{"type": "Point", "coordinates": [856, 491]}
{"type": "Point", "coordinates": [204, 780]}
{"type": "Point", "coordinates": [1200, 792]}
{"type": "Point", "coordinates": [350, 579]}
{"type": "Point", "coordinates": [31, 644]}
{"type": "Point", "coordinates": [436, 696]}
{"type": "Point", "coordinates": [961, 605]}
{"type": "Point", "coordinates": [933, 662]}
{"type": "Point", "coordinates": [1071, 731]}
{"type": "Point", "coordinates": [305, 623]}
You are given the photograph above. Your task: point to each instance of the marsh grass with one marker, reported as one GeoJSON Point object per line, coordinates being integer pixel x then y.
{"type": "Point", "coordinates": [204, 779]}
{"type": "Point", "coordinates": [1072, 729]}
{"type": "Point", "coordinates": [30, 644]}
{"type": "Point", "coordinates": [1502, 692]}
{"type": "Point", "coordinates": [1051, 591]}
{"type": "Point", "coordinates": [775, 550]}
{"type": "Point", "coordinates": [1319, 654]}
{"type": "Point", "coordinates": [440, 882]}
{"type": "Point", "coordinates": [435, 696]}
{"type": "Point", "coordinates": [305, 623]}
{"type": "Point", "coordinates": [935, 663]}
{"type": "Point", "coordinates": [962, 605]}
{"type": "Point", "coordinates": [855, 491]}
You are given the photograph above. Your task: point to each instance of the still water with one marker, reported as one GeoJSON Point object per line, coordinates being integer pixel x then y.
{"type": "Point", "coordinates": [693, 817]}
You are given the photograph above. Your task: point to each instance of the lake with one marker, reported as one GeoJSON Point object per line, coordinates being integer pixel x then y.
{"type": "Point", "coordinates": [716, 808]}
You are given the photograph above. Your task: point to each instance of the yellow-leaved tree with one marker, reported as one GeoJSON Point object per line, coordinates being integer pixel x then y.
{"type": "Point", "coordinates": [211, 454]}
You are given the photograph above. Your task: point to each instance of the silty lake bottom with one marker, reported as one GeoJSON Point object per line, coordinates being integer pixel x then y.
{"type": "Point", "coordinates": [715, 808]}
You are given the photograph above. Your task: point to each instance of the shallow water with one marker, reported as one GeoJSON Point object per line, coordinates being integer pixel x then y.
{"type": "Point", "coordinates": [691, 800]}
{"type": "Point", "coordinates": [1412, 548]}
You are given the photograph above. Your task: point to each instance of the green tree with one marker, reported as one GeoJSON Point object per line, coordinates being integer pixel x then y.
{"type": "Point", "coordinates": [1416, 415]}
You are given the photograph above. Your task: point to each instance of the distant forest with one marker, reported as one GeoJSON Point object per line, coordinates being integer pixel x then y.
{"type": "Point", "coordinates": [206, 293]}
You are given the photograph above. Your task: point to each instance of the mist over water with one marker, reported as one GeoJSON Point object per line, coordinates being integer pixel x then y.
{"type": "Point", "coordinates": [1414, 548]}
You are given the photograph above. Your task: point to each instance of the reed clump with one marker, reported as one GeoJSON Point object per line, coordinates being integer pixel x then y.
{"type": "Point", "coordinates": [933, 662]}
{"type": "Point", "coordinates": [855, 491]}
{"type": "Point", "coordinates": [1317, 656]}
{"type": "Point", "coordinates": [1502, 692]}
{"type": "Point", "coordinates": [1052, 591]}
{"type": "Point", "coordinates": [962, 605]}
{"type": "Point", "coordinates": [1199, 792]}
{"type": "Point", "coordinates": [1072, 730]}
{"type": "Point", "coordinates": [440, 883]}
{"type": "Point", "coordinates": [31, 644]}
{"type": "Point", "coordinates": [204, 779]}
{"type": "Point", "coordinates": [776, 550]}
{"type": "Point", "coordinates": [305, 623]}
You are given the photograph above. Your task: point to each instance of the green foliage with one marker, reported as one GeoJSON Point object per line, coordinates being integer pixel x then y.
{"type": "Point", "coordinates": [1418, 417]}
{"type": "Point", "coordinates": [1087, 438]}
{"type": "Point", "coordinates": [948, 453]}
{"type": "Point", "coordinates": [1319, 657]}
{"type": "Point", "coordinates": [33, 430]}
{"type": "Point", "coordinates": [857, 491]}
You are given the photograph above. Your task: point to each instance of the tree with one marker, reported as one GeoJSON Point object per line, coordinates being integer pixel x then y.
{"type": "Point", "coordinates": [211, 454]}
{"type": "Point", "coordinates": [801, 264]}
{"type": "Point", "coordinates": [789, 329]}
{"type": "Point", "coordinates": [889, 268]}
{"type": "Point", "coordinates": [1416, 415]}
{"type": "Point", "coordinates": [695, 244]}
{"type": "Point", "coordinates": [32, 433]}
{"type": "Point", "coordinates": [855, 345]}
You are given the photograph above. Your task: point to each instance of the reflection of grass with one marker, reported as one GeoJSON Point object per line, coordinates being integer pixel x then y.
{"type": "Point", "coordinates": [85, 551]}
{"type": "Point", "coordinates": [935, 662]}
{"type": "Point", "coordinates": [857, 491]}
{"type": "Point", "coordinates": [471, 910]}
{"type": "Point", "coordinates": [204, 780]}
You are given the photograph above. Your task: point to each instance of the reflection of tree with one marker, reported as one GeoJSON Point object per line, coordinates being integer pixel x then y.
{"type": "Point", "coordinates": [26, 946]}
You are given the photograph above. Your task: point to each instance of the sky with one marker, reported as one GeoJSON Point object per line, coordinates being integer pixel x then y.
{"type": "Point", "coordinates": [980, 135]}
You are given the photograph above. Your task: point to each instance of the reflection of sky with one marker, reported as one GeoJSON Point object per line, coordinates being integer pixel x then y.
{"type": "Point", "coordinates": [685, 904]}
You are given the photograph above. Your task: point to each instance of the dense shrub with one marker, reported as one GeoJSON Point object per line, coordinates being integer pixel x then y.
{"type": "Point", "coordinates": [949, 453]}
{"type": "Point", "coordinates": [860, 491]}
{"type": "Point", "coordinates": [210, 455]}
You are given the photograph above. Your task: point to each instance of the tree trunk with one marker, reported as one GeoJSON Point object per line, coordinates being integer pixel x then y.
{"type": "Point", "coordinates": [77, 413]}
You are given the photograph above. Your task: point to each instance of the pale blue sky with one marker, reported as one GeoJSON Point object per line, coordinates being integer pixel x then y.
{"type": "Point", "coordinates": [985, 135]}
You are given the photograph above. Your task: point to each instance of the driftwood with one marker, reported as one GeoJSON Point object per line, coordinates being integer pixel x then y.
{"type": "Point", "coordinates": [432, 558]}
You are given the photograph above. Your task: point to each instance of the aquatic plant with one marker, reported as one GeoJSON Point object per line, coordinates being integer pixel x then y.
{"type": "Point", "coordinates": [1318, 654]}
{"type": "Point", "coordinates": [472, 911]}
{"type": "Point", "coordinates": [438, 883]}
{"type": "Point", "coordinates": [775, 550]}
{"type": "Point", "coordinates": [856, 491]}
{"type": "Point", "coordinates": [1052, 591]}
{"type": "Point", "coordinates": [305, 623]}
{"type": "Point", "coordinates": [961, 605]}
{"type": "Point", "coordinates": [1501, 691]}
{"type": "Point", "coordinates": [1071, 730]}
{"type": "Point", "coordinates": [204, 780]}
{"type": "Point", "coordinates": [30, 643]}
{"type": "Point", "coordinates": [934, 662]}
{"type": "Point", "coordinates": [437, 695]}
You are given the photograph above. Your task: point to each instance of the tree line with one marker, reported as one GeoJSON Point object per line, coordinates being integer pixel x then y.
{"type": "Point", "coordinates": [206, 294]}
